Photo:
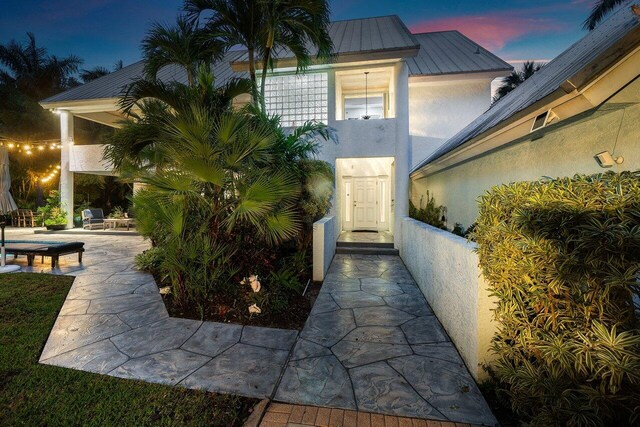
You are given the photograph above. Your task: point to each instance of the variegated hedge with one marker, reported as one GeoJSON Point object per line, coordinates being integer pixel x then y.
{"type": "Point", "coordinates": [563, 258]}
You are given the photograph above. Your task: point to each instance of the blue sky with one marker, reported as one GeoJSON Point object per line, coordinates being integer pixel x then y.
{"type": "Point", "coordinates": [105, 31]}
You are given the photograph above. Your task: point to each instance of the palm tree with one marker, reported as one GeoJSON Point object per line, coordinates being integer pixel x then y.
{"type": "Point", "coordinates": [516, 78]}
{"type": "Point", "coordinates": [265, 28]}
{"type": "Point", "coordinates": [34, 72]}
{"type": "Point", "coordinates": [99, 71]}
{"type": "Point", "coordinates": [600, 10]}
{"type": "Point", "coordinates": [183, 45]}
{"type": "Point", "coordinates": [233, 22]}
{"type": "Point", "coordinates": [147, 102]}
{"type": "Point", "coordinates": [294, 26]}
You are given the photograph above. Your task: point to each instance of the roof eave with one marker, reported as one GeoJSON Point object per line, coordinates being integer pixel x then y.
{"type": "Point", "coordinates": [462, 75]}
{"type": "Point", "coordinates": [372, 55]}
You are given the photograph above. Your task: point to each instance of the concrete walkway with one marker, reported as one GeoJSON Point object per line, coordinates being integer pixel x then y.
{"type": "Point", "coordinates": [114, 322]}
{"type": "Point", "coordinates": [371, 343]}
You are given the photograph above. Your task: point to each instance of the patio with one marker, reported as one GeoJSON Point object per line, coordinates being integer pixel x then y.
{"type": "Point", "coordinates": [370, 344]}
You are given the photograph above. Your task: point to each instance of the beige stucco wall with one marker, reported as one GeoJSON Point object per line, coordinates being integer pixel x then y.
{"type": "Point", "coordinates": [562, 149]}
{"type": "Point", "coordinates": [438, 110]}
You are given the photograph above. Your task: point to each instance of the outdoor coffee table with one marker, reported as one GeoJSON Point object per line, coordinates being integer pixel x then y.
{"type": "Point", "coordinates": [114, 223]}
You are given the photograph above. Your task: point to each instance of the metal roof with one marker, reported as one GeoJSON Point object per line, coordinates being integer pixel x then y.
{"type": "Point", "coordinates": [447, 52]}
{"type": "Point", "coordinates": [450, 52]}
{"type": "Point", "coordinates": [113, 85]}
{"type": "Point", "coordinates": [550, 78]}
{"type": "Point", "coordinates": [359, 36]}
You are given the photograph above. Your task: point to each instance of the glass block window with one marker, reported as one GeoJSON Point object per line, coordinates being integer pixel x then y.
{"type": "Point", "coordinates": [298, 98]}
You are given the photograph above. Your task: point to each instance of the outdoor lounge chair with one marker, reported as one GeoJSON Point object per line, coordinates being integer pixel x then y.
{"type": "Point", "coordinates": [92, 218]}
{"type": "Point", "coordinates": [54, 250]}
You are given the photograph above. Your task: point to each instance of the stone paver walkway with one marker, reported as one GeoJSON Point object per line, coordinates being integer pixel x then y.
{"type": "Point", "coordinates": [373, 344]}
{"type": "Point", "coordinates": [114, 322]}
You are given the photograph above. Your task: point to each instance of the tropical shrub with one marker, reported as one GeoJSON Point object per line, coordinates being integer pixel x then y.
{"type": "Point", "coordinates": [429, 212]}
{"type": "Point", "coordinates": [53, 213]}
{"type": "Point", "coordinates": [562, 257]}
{"type": "Point", "coordinates": [228, 192]}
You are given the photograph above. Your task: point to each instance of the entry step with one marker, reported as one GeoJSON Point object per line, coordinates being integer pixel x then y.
{"type": "Point", "coordinates": [367, 250]}
{"type": "Point", "coordinates": [363, 244]}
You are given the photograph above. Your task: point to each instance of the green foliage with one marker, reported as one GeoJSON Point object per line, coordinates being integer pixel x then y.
{"type": "Point", "coordinates": [562, 258]}
{"type": "Point", "coordinates": [429, 212]}
{"type": "Point", "coordinates": [149, 260]}
{"type": "Point", "coordinates": [53, 213]}
{"type": "Point", "coordinates": [118, 213]}
{"type": "Point", "coordinates": [228, 192]}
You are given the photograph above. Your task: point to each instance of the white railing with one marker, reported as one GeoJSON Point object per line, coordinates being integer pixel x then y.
{"type": "Point", "coordinates": [89, 159]}
{"type": "Point", "coordinates": [373, 138]}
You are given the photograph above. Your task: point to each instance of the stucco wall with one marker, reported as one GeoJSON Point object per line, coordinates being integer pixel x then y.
{"type": "Point", "coordinates": [324, 246]}
{"type": "Point", "coordinates": [559, 150]}
{"type": "Point", "coordinates": [89, 159]}
{"type": "Point", "coordinates": [446, 270]}
{"type": "Point", "coordinates": [437, 111]}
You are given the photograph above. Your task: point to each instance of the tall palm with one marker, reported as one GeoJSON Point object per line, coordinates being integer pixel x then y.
{"type": "Point", "coordinates": [266, 27]}
{"type": "Point", "coordinates": [147, 103]}
{"type": "Point", "coordinates": [31, 70]}
{"type": "Point", "coordinates": [88, 75]}
{"type": "Point", "coordinates": [516, 78]}
{"type": "Point", "coordinates": [600, 10]}
{"type": "Point", "coordinates": [182, 44]}
{"type": "Point", "coordinates": [294, 25]}
{"type": "Point", "coordinates": [232, 22]}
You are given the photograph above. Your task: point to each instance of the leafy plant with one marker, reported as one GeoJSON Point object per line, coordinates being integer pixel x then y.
{"type": "Point", "coordinates": [53, 213]}
{"type": "Point", "coordinates": [149, 260]}
{"type": "Point", "coordinates": [118, 213]}
{"type": "Point", "coordinates": [428, 212]}
{"type": "Point", "coordinates": [562, 257]}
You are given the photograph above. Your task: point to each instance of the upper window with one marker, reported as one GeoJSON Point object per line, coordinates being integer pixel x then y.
{"type": "Point", "coordinates": [298, 98]}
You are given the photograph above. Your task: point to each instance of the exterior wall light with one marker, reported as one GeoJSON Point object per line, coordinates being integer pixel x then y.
{"type": "Point", "coordinates": [606, 159]}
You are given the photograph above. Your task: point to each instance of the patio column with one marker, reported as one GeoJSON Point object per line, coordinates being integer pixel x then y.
{"type": "Point", "coordinates": [66, 176]}
{"type": "Point", "coordinates": [403, 156]}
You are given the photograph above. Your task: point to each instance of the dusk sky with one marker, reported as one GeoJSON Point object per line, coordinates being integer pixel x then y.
{"type": "Point", "coordinates": [104, 31]}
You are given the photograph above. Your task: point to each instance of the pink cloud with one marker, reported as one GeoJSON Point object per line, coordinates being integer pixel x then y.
{"type": "Point", "coordinates": [493, 31]}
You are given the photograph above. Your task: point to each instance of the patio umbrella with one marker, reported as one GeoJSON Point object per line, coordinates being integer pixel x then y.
{"type": "Point", "coordinates": [7, 205]}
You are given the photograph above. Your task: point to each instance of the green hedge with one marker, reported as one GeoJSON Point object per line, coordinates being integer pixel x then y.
{"type": "Point", "coordinates": [563, 259]}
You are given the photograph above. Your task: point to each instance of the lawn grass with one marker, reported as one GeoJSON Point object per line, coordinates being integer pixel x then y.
{"type": "Point", "coordinates": [34, 394]}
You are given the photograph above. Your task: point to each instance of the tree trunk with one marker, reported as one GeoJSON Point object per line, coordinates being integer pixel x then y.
{"type": "Point", "coordinates": [252, 76]}
{"type": "Point", "coordinates": [265, 65]}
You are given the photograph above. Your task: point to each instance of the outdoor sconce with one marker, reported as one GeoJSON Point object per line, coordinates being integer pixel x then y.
{"type": "Point", "coordinates": [606, 159]}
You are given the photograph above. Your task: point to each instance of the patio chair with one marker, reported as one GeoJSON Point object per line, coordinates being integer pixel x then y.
{"type": "Point", "coordinates": [26, 218]}
{"type": "Point", "coordinates": [15, 219]}
{"type": "Point", "coordinates": [92, 218]}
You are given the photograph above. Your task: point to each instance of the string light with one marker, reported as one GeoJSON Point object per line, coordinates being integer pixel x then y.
{"type": "Point", "coordinates": [29, 148]}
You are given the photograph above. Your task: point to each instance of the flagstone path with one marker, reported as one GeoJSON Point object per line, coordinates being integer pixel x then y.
{"type": "Point", "coordinates": [370, 344]}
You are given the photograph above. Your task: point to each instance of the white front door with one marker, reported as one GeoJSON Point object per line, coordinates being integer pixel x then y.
{"type": "Point", "coordinates": [365, 201]}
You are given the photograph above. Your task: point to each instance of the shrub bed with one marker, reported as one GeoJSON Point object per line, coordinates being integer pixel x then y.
{"type": "Point", "coordinates": [563, 257]}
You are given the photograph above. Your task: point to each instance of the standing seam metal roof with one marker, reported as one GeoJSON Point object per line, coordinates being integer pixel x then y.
{"type": "Point", "coordinates": [547, 80]}
{"type": "Point", "coordinates": [447, 52]}
{"type": "Point", "coordinates": [450, 52]}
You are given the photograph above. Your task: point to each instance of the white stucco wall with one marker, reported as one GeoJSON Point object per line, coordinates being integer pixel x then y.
{"type": "Point", "coordinates": [324, 246]}
{"type": "Point", "coordinates": [89, 159]}
{"type": "Point", "coordinates": [446, 269]}
{"type": "Point", "coordinates": [562, 149]}
{"type": "Point", "coordinates": [438, 110]}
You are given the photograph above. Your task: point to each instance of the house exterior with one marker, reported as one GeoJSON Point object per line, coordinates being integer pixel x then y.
{"type": "Point", "coordinates": [393, 98]}
{"type": "Point", "coordinates": [583, 103]}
